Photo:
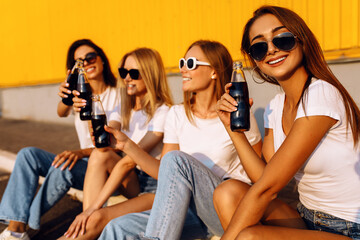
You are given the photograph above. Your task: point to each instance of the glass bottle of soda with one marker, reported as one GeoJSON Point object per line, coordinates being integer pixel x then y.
{"type": "Point", "coordinates": [83, 87]}
{"type": "Point", "coordinates": [72, 81]}
{"type": "Point", "coordinates": [239, 119]}
{"type": "Point", "coordinates": [98, 121]}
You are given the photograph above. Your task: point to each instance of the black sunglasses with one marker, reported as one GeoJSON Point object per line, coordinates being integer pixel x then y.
{"type": "Point", "coordinates": [134, 73]}
{"type": "Point", "coordinates": [90, 58]}
{"type": "Point", "coordinates": [284, 41]}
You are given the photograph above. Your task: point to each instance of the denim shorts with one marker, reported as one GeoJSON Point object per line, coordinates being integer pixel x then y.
{"type": "Point", "coordinates": [147, 183]}
{"type": "Point", "coordinates": [316, 220]}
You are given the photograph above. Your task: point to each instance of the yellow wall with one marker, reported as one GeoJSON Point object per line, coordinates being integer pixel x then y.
{"type": "Point", "coordinates": [35, 34]}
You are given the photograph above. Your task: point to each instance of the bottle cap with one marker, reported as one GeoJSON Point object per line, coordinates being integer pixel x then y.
{"type": "Point", "coordinates": [237, 64]}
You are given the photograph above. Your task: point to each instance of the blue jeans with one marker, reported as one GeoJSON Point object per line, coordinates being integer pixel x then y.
{"type": "Point", "coordinates": [147, 183]}
{"type": "Point", "coordinates": [19, 202]}
{"type": "Point", "coordinates": [183, 183]}
{"type": "Point", "coordinates": [320, 221]}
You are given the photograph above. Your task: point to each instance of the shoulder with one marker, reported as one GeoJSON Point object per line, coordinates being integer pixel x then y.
{"type": "Point", "coordinates": [178, 109]}
{"type": "Point", "coordinates": [161, 111]}
{"type": "Point", "coordinates": [176, 112]}
{"type": "Point", "coordinates": [323, 88]}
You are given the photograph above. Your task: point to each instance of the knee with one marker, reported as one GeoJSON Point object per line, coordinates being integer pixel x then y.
{"type": "Point", "coordinates": [250, 233]}
{"type": "Point", "coordinates": [100, 158]}
{"type": "Point", "coordinates": [229, 192]}
{"type": "Point", "coordinates": [94, 220]}
{"type": "Point", "coordinates": [175, 158]}
{"type": "Point", "coordinates": [24, 155]}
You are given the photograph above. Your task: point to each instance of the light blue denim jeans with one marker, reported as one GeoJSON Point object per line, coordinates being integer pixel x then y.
{"type": "Point", "coordinates": [183, 183]}
{"type": "Point", "coordinates": [320, 221]}
{"type": "Point", "coordinates": [19, 202]}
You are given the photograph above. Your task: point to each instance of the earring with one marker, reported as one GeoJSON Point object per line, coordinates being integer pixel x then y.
{"type": "Point", "coordinates": [212, 77]}
{"type": "Point", "coordinates": [259, 77]}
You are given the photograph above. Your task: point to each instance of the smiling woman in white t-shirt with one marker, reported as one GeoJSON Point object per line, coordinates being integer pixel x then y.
{"type": "Point", "coordinates": [311, 132]}
{"type": "Point", "coordinates": [145, 101]}
{"type": "Point", "coordinates": [197, 155]}
{"type": "Point", "coordinates": [22, 204]}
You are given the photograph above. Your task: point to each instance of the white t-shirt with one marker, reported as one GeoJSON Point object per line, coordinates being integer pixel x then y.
{"type": "Point", "coordinates": [208, 142]}
{"type": "Point", "coordinates": [139, 126]}
{"type": "Point", "coordinates": [111, 102]}
{"type": "Point", "coordinates": [329, 181]}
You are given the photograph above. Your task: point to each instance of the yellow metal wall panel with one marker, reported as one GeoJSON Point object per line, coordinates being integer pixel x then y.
{"type": "Point", "coordinates": [332, 25]}
{"type": "Point", "coordinates": [316, 19]}
{"type": "Point", "coordinates": [35, 35]}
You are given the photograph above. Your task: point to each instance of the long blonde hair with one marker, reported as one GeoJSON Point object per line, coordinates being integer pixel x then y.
{"type": "Point", "coordinates": [221, 61]}
{"type": "Point", "coordinates": [153, 74]}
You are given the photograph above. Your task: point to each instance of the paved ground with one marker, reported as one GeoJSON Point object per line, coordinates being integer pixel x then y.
{"type": "Point", "coordinates": [16, 134]}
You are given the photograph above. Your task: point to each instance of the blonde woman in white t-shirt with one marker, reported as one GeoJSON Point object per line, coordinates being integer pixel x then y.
{"type": "Point", "coordinates": [197, 155]}
{"type": "Point", "coordinates": [145, 101]}
{"type": "Point", "coordinates": [311, 132]}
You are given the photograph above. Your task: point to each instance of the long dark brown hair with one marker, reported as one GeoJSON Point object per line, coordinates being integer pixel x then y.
{"type": "Point", "coordinates": [109, 77]}
{"type": "Point", "coordinates": [313, 60]}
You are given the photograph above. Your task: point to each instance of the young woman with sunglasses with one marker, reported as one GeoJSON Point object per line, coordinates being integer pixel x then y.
{"type": "Point", "coordinates": [21, 204]}
{"type": "Point", "coordinates": [197, 155]}
{"type": "Point", "coordinates": [311, 132]}
{"type": "Point", "coordinates": [145, 102]}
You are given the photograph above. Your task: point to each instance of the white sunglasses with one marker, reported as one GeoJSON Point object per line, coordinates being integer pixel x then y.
{"type": "Point", "coordinates": [191, 63]}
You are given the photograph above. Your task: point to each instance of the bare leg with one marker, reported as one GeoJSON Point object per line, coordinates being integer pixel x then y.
{"type": "Point", "coordinates": [271, 232]}
{"type": "Point", "coordinates": [100, 164]}
{"type": "Point", "coordinates": [229, 194]}
{"type": "Point", "coordinates": [17, 226]}
{"type": "Point", "coordinates": [101, 217]}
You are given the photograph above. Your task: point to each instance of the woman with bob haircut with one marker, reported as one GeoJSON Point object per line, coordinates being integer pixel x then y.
{"type": "Point", "coordinates": [311, 132]}
{"type": "Point", "coordinates": [145, 102]}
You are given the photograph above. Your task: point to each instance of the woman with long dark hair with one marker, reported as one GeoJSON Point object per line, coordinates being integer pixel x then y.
{"type": "Point", "coordinates": [21, 203]}
{"type": "Point", "coordinates": [311, 132]}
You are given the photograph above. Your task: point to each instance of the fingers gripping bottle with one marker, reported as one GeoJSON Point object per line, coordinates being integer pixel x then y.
{"type": "Point", "coordinates": [72, 81]}
{"type": "Point", "coordinates": [84, 89]}
{"type": "Point", "coordinates": [239, 119]}
{"type": "Point", "coordinates": [98, 121]}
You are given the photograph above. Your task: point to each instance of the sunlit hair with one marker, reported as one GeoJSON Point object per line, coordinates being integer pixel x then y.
{"type": "Point", "coordinates": [152, 72]}
{"type": "Point", "coordinates": [220, 60]}
{"type": "Point", "coordinates": [313, 61]}
{"type": "Point", "coordinates": [109, 77]}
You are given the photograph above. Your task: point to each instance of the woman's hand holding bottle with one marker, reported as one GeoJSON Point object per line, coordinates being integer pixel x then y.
{"type": "Point", "coordinates": [225, 106]}
{"type": "Point", "coordinates": [64, 88]}
{"type": "Point", "coordinates": [78, 102]}
{"type": "Point", "coordinates": [121, 140]}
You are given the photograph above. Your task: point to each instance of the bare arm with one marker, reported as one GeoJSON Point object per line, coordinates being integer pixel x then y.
{"type": "Point", "coordinates": [304, 136]}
